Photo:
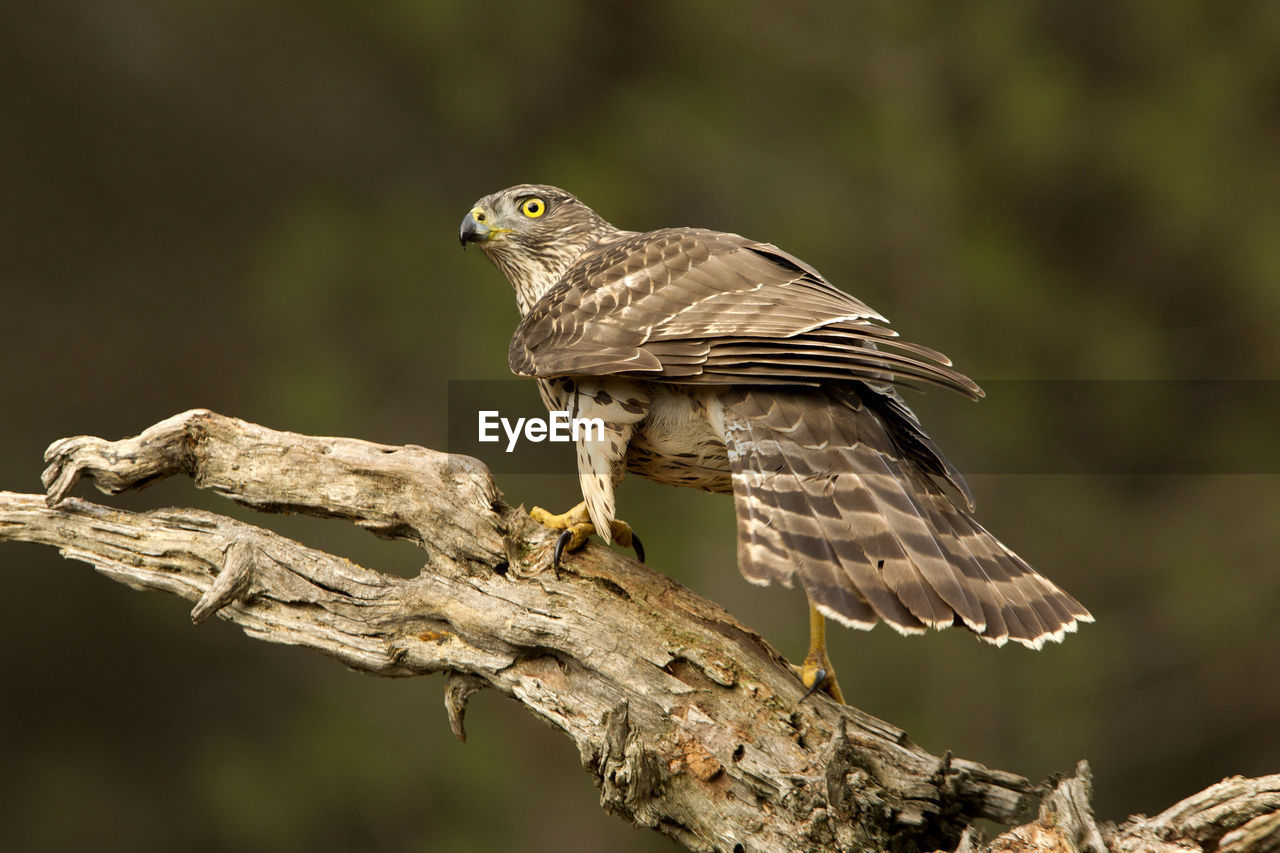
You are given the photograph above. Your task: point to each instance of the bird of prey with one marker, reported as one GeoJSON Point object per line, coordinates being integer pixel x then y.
{"type": "Point", "coordinates": [729, 365]}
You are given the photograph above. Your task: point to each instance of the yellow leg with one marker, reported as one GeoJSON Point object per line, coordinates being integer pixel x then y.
{"type": "Point", "coordinates": [816, 673]}
{"type": "Point", "coordinates": [577, 527]}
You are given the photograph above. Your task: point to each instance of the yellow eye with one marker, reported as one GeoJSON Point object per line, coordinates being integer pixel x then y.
{"type": "Point", "coordinates": [533, 207]}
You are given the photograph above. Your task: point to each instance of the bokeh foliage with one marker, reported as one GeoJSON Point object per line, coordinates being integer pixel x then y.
{"type": "Point", "coordinates": [253, 207]}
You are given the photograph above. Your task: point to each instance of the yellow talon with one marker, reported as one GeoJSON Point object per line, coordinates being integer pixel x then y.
{"type": "Point", "coordinates": [622, 533]}
{"type": "Point", "coordinates": [577, 527]}
{"type": "Point", "coordinates": [563, 521]}
{"type": "Point", "coordinates": [816, 673]}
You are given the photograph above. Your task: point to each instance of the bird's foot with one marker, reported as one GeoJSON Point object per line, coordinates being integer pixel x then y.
{"type": "Point", "coordinates": [816, 673]}
{"type": "Point", "coordinates": [577, 527]}
{"type": "Point", "coordinates": [575, 523]}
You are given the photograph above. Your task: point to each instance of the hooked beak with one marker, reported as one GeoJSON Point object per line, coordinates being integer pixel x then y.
{"type": "Point", "coordinates": [475, 228]}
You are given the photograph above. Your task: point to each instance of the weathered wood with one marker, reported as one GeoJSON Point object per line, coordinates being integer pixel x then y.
{"type": "Point", "coordinates": [1233, 816]}
{"type": "Point", "coordinates": [690, 723]}
{"type": "Point", "coordinates": [1237, 815]}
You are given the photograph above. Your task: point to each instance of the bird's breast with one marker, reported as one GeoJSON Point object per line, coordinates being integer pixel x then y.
{"type": "Point", "coordinates": [676, 444]}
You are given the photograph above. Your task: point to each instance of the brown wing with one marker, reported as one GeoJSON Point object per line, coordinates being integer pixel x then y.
{"type": "Point", "coordinates": [696, 306]}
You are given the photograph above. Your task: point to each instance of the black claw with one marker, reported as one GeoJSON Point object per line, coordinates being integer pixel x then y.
{"type": "Point", "coordinates": [560, 543]}
{"type": "Point", "coordinates": [638, 545]}
{"type": "Point", "coordinates": [819, 677]}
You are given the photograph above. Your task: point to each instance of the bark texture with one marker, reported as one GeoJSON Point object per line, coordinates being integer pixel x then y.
{"type": "Point", "coordinates": [690, 723]}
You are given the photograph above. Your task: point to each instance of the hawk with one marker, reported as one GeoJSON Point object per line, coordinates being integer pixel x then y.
{"type": "Point", "coordinates": [729, 365]}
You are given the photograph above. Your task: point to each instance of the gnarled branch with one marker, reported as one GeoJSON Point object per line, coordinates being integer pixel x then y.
{"type": "Point", "coordinates": [689, 721]}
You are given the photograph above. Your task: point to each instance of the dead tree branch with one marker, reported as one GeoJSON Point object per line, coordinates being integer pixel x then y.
{"type": "Point", "coordinates": [690, 723]}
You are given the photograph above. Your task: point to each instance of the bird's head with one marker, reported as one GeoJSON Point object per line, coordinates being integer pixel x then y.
{"type": "Point", "coordinates": [533, 233]}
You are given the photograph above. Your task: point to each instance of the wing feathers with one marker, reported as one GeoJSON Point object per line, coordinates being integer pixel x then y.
{"type": "Point", "coordinates": [761, 316]}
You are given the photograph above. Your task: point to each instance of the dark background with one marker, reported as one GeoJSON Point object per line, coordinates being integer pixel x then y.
{"type": "Point", "coordinates": [254, 207]}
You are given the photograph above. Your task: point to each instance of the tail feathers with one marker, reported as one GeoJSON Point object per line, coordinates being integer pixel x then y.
{"type": "Point", "coordinates": [1020, 604]}
{"type": "Point", "coordinates": [823, 493]}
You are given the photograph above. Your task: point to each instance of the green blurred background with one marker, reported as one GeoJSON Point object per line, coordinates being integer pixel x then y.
{"type": "Point", "coordinates": [254, 207]}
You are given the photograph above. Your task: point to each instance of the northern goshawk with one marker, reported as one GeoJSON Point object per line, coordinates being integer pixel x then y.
{"type": "Point", "coordinates": [729, 365]}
